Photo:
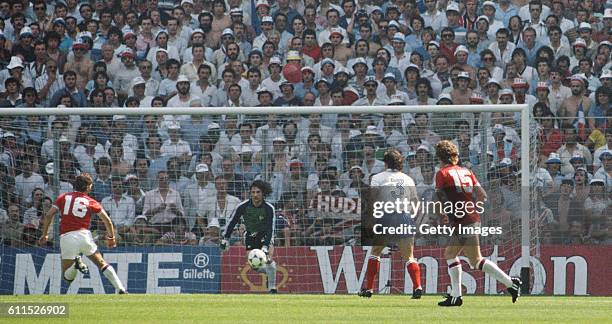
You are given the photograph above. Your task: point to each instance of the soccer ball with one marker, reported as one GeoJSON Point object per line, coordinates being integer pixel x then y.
{"type": "Point", "coordinates": [257, 258]}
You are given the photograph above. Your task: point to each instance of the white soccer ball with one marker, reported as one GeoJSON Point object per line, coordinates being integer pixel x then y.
{"type": "Point", "coordinates": [257, 258]}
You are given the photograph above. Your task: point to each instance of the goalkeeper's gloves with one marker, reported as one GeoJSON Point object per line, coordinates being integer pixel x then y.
{"type": "Point", "coordinates": [224, 246]}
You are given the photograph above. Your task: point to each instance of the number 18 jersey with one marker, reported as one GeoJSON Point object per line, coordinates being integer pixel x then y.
{"type": "Point", "coordinates": [458, 184]}
{"type": "Point", "coordinates": [76, 209]}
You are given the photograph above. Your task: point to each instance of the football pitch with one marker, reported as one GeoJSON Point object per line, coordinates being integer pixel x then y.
{"type": "Point", "coordinates": [286, 308]}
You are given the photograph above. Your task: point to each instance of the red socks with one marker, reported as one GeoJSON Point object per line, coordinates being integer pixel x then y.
{"type": "Point", "coordinates": [415, 274]}
{"type": "Point", "coordinates": [374, 265]}
{"type": "Point", "coordinates": [371, 272]}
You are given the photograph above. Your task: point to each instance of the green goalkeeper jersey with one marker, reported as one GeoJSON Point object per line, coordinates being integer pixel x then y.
{"type": "Point", "coordinates": [258, 220]}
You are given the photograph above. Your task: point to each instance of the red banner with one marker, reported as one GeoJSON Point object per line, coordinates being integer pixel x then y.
{"type": "Point", "coordinates": [560, 270]}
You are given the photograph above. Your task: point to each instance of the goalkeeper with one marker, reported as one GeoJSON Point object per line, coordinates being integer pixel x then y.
{"type": "Point", "coordinates": [258, 217]}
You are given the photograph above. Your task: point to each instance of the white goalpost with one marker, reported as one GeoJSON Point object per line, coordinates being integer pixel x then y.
{"type": "Point", "coordinates": [316, 254]}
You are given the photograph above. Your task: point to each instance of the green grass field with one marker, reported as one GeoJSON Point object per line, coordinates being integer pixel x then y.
{"type": "Point", "coordinates": [317, 308]}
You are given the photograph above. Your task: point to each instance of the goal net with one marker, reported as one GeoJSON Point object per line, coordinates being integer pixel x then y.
{"type": "Point", "coordinates": [318, 161]}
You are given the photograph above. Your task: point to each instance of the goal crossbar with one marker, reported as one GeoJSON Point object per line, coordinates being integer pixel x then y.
{"type": "Point", "coordinates": [293, 110]}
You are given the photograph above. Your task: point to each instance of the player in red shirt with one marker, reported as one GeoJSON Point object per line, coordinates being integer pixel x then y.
{"type": "Point", "coordinates": [76, 209]}
{"type": "Point", "coordinates": [457, 184]}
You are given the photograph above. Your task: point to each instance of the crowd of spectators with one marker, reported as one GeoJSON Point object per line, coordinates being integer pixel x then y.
{"type": "Point", "coordinates": [176, 179]}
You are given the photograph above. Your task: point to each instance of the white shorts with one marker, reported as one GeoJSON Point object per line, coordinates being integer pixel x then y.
{"type": "Point", "coordinates": [76, 242]}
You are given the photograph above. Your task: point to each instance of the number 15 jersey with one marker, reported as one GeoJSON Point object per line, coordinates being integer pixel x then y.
{"type": "Point", "coordinates": [458, 184]}
{"type": "Point", "coordinates": [76, 209]}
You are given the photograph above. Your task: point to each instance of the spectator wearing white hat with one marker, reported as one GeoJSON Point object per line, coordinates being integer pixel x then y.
{"type": "Point", "coordinates": [138, 90]}
{"type": "Point", "coordinates": [492, 89]}
{"type": "Point", "coordinates": [161, 41]}
{"type": "Point", "coordinates": [579, 51]}
{"type": "Point", "coordinates": [175, 146]}
{"type": "Point", "coordinates": [49, 189]}
{"type": "Point", "coordinates": [489, 9]}
{"type": "Point", "coordinates": [288, 97]}
{"type": "Point", "coordinates": [390, 89]}
{"type": "Point", "coordinates": [183, 96]}
{"type": "Point", "coordinates": [453, 17]}
{"type": "Point", "coordinates": [211, 234]}
{"type": "Point", "coordinates": [482, 30]}
{"type": "Point", "coordinates": [553, 166]}
{"type": "Point", "coordinates": [461, 55]}
{"type": "Point", "coordinates": [15, 69]}
{"type": "Point", "coordinates": [585, 31]}
{"type": "Point", "coordinates": [266, 28]}
{"type": "Point", "coordinates": [272, 83]}
{"type": "Point", "coordinates": [307, 84]}
{"type": "Point", "coordinates": [399, 58]}
{"type": "Point", "coordinates": [371, 97]}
